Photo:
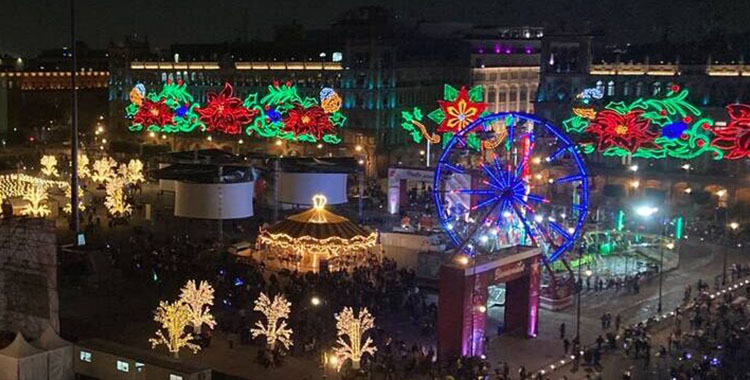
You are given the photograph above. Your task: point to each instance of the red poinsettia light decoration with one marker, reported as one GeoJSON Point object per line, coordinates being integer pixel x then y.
{"type": "Point", "coordinates": [629, 131]}
{"type": "Point", "coordinates": [153, 113]}
{"type": "Point", "coordinates": [460, 112]}
{"type": "Point", "coordinates": [312, 120]}
{"type": "Point", "coordinates": [735, 137]}
{"type": "Point", "coordinates": [224, 112]}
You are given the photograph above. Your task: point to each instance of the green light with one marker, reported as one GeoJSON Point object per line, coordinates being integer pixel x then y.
{"type": "Point", "coordinates": [620, 220]}
{"type": "Point", "coordinates": [678, 228]}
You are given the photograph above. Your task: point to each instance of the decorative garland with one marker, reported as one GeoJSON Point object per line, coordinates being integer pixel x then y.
{"type": "Point", "coordinates": [457, 109]}
{"type": "Point", "coordinates": [281, 113]}
{"type": "Point", "coordinates": [171, 110]}
{"type": "Point", "coordinates": [645, 128]}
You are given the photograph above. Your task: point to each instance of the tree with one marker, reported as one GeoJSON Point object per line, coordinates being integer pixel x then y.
{"type": "Point", "coordinates": [275, 329]}
{"type": "Point", "coordinates": [174, 317]}
{"type": "Point", "coordinates": [198, 299]}
{"type": "Point", "coordinates": [115, 200]}
{"type": "Point", "coordinates": [36, 195]}
{"type": "Point", "coordinates": [81, 205]}
{"type": "Point", "coordinates": [103, 170]}
{"type": "Point", "coordinates": [134, 172]}
{"type": "Point", "coordinates": [49, 166]}
{"type": "Point", "coordinates": [354, 328]}
{"type": "Point", "coordinates": [83, 165]}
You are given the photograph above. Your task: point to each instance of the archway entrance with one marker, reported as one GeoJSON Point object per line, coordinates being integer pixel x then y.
{"type": "Point", "coordinates": [465, 298]}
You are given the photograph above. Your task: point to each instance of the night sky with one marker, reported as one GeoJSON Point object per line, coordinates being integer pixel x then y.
{"type": "Point", "coordinates": [26, 26]}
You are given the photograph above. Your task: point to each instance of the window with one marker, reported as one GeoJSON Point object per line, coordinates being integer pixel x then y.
{"type": "Point", "coordinates": [174, 377]}
{"type": "Point", "coordinates": [85, 356]}
{"type": "Point", "coordinates": [123, 366]}
{"type": "Point", "coordinates": [600, 86]}
{"type": "Point", "coordinates": [611, 88]}
{"type": "Point", "coordinates": [140, 367]}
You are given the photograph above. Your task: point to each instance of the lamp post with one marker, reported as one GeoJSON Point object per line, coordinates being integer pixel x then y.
{"type": "Point", "coordinates": [733, 227]}
{"type": "Point", "coordinates": [579, 287]}
{"type": "Point", "coordinates": [661, 262]}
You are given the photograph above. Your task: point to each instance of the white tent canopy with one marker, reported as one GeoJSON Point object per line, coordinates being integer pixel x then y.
{"type": "Point", "coordinates": [59, 355]}
{"type": "Point", "coordinates": [22, 361]}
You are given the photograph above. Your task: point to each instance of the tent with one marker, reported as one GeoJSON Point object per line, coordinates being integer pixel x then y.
{"type": "Point", "coordinates": [21, 361]}
{"type": "Point", "coordinates": [59, 355]}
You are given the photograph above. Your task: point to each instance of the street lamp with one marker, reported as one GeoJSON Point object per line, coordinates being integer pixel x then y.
{"type": "Point", "coordinates": [315, 301]}
{"type": "Point", "coordinates": [646, 212]}
{"type": "Point", "coordinates": [733, 227]}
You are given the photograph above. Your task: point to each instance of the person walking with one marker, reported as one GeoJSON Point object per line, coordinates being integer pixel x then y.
{"type": "Point", "coordinates": [562, 330]}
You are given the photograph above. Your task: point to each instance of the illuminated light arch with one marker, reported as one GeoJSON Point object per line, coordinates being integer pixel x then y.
{"type": "Point", "coordinates": [645, 128]}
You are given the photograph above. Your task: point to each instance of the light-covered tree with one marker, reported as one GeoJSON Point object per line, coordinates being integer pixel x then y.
{"type": "Point", "coordinates": [104, 170]}
{"type": "Point", "coordinates": [81, 205]}
{"type": "Point", "coordinates": [49, 166]}
{"type": "Point", "coordinates": [83, 166]}
{"type": "Point", "coordinates": [134, 172]}
{"type": "Point", "coordinates": [199, 299]}
{"type": "Point", "coordinates": [353, 328]}
{"type": "Point", "coordinates": [275, 330]}
{"type": "Point", "coordinates": [174, 317]}
{"type": "Point", "coordinates": [115, 200]}
{"type": "Point", "coordinates": [36, 195]}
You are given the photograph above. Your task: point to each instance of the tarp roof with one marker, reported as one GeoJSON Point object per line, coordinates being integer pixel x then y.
{"type": "Point", "coordinates": [49, 340]}
{"type": "Point", "coordinates": [20, 348]}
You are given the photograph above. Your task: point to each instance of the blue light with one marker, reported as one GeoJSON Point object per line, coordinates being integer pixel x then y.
{"type": "Point", "coordinates": [181, 111]}
{"type": "Point", "coordinates": [274, 115]}
{"type": "Point", "coordinates": [674, 130]}
{"type": "Point", "coordinates": [238, 281]}
{"type": "Point", "coordinates": [507, 187]}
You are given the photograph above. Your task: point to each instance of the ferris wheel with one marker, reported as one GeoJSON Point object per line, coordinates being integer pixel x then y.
{"type": "Point", "coordinates": [527, 185]}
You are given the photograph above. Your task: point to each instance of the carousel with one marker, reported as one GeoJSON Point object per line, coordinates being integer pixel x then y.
{"type": "Point", "coordinates": [316, 239]}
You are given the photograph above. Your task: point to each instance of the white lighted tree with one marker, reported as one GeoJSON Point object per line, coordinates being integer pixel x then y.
{"type": "Point", "coordinates": [115, 200]}
{"type": "Point", "coordinates": [199, 298]}
{"type": "Point", "coordinates": [275, 330]}
{"type": "Point", "coordinates": [174, 317]}
{"type": "Point", "coordinates": [134, 172]}
{"type": "Point", "coordinates": [36, 195]}
{"type": "Point", "coordinates": [81, 205]}
{"type": "Point", "coordinates": [83, 166]}
{"type": "Point", "coordinates": [49, 166]}
{"type": "Point", "coordinates": [353, 328]}
{"type": "Point", "coordinates": [104, 170]}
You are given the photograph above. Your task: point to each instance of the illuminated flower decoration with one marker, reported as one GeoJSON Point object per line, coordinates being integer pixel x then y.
{"type": "Point", "coordinates": [735, 137]}
{"type": "Point", "coordinates": [225, 112]}
{"type": "Point", "coordinates": [330, 101]}
{"type": "Point", "coordinates": [137, 94]}
{"type": "Point", "coordinates": [460, 112]}
{"type": "Point", "coordinates": [629, 131]}
{"type": "Point", "coordinates": [312, 120]}
{"type": "Point", "coordinates": [674, 130]}
{"type": "Point", "coordinates": [153, 113]}
{"type": "Point", "coordinates": [273, 115]}
{"type": "Point", "coordinates": [585, 112]}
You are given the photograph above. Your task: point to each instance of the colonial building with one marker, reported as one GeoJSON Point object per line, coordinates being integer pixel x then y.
{"type": "Point", "coordinates": [713, 71]}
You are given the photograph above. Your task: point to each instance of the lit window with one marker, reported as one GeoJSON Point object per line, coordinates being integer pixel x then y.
{"type": "Point", "coordinates": [123, 366]}
{"type": "Point", "coordinates": [85, 356]}
{"type": "Point", "coordinates": [337, 56]}
{"type": "Point", "coordinates": [174, 377]}
{"type": "Point", "coordinates": [611, 88]}
{"type": "Point", "coordinates": [140, 367]}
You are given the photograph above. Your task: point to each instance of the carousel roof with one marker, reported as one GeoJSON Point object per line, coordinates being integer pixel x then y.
{"type": "Point", "coordinates": [318, 223]}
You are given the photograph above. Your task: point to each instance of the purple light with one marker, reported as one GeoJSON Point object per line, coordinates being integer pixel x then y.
{"type": "Point", "coordinates": [498, 48]}
{"type": "Point", "coordinates": [508, 50]}
{"type": "Point", "coordinates": [481, 50]}
{"type": "Point", "coordinates": [527, 50]}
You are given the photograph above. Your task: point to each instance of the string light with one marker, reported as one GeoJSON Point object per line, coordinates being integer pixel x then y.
{"type": "Point", "coordinates": [37, 199]}
{"type": "Point", "coordinates": [199, 299]}
{"type": "Point", "coordinates": [49, 166]}
{"type": "Point", "coordinates": [353, 328]}
{"type": "Point", "coordinates": [173, 317]}
{"type": "Point", "coordinates": [275, 312]}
